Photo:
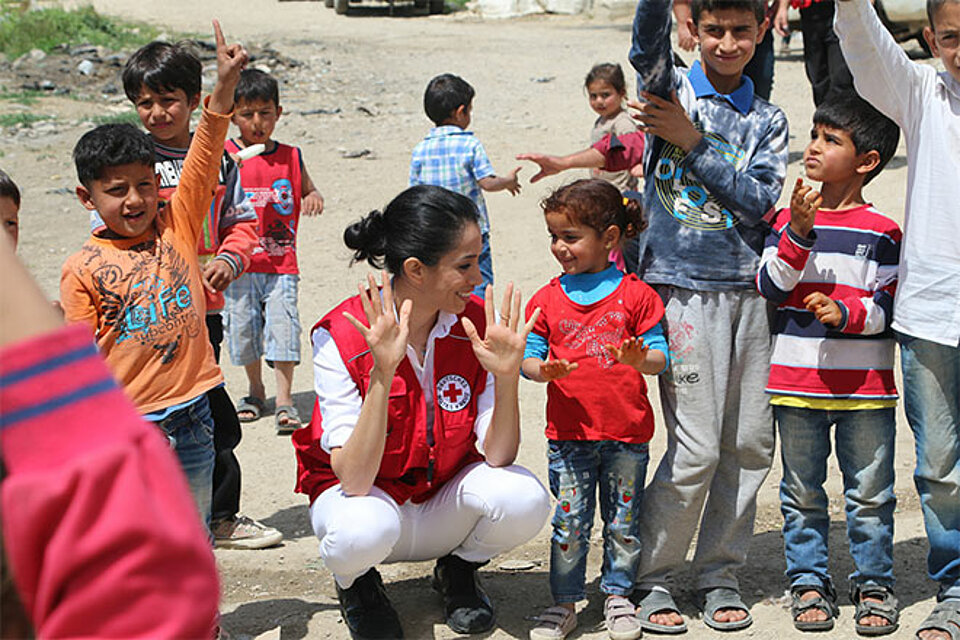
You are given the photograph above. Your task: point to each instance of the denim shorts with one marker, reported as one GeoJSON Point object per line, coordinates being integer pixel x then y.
{"type": "Point", "coordinates": [261, 318]}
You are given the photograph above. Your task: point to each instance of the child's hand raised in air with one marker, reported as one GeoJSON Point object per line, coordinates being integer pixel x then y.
{"type": "Point", "coordinates": [804, 204]}
{"type": "Point", "coordinates": [231, 60]}
{"type": "Point", "coordinates": [824, 308]}
{"type": "Point", "coordinates": [632, 352]}
{"type": "Point", "coordinates": [556, 369]}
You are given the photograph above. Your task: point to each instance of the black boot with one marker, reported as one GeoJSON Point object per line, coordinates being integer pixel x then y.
{"type": "Point", "coordinates": [367, 610]}
{"type": "Point", "coordinates": [465, 606]}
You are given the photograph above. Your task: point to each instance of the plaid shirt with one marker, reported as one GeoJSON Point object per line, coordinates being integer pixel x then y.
{"type": "Point", "coordinates": [454, 159]}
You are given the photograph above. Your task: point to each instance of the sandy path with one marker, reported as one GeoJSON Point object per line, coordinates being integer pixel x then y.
{"type": "Point", "coordinates": [528, 76]}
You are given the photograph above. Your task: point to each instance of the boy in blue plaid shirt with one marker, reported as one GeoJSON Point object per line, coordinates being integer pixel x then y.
{"type": "Point", "coordinates": [451, 157]}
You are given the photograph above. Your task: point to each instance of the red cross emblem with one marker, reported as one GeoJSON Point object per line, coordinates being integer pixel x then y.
{"type": "Point", "coordinates": [453, 392]}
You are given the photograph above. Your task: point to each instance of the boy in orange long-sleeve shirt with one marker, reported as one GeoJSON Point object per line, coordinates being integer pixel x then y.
{"type": "Point", "coordinates": [138, 285]}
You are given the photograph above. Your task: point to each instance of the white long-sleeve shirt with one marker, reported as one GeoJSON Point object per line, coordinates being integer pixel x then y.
{"type": "Point", "coordinates": [926, 105]}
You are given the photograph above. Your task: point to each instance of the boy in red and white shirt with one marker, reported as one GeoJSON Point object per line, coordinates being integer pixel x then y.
{"type": "Point", "coordinates": [262, 319]}
{"type": "Point", "coordinates": [830, 263]}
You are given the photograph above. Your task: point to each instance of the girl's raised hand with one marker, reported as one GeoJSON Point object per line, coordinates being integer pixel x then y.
{"type": "Point", "coordinates": [556, 369]}
{"type": "Point", "coordinates": [631, 352]}
{"type": "Point", "coordinates": [500, 351]}
{"type": "Point", "coordinates": [385, 334]}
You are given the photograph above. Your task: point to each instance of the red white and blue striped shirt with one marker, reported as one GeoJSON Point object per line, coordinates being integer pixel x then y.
{"type": "Point", "coordinates": [851, 256]}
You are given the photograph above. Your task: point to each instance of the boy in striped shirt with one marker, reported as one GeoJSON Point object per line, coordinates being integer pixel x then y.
{"type": "Point", "coordinates": [830, 263]}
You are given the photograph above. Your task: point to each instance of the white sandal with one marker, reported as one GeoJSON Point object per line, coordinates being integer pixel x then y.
{"type": "Point", "coordinates": [554, 624]}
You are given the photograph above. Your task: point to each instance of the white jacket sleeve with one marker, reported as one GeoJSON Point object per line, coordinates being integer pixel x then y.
{"type": "Point", "coordinates": [882, 72]}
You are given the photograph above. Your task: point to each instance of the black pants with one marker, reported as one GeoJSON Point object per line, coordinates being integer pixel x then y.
{"type": "Point", "coordinates": [826, 69]}
{"type": "Point", "coordinates": [226, 436]}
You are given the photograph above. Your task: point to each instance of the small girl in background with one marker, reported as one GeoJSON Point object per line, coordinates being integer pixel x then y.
{"type": "Point", "coordinates": [597, 334]}
{"type": "Point", "coordinates": [607, 91]}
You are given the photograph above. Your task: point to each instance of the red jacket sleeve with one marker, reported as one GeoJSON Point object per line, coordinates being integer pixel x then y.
{"type": "Point", "coordinates": [239, 241]}
{"type": "Point", "coordinates": [101, 533]}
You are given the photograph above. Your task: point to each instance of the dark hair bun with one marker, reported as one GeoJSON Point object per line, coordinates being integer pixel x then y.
{"type": "Point", "coordinates": [368, 239]}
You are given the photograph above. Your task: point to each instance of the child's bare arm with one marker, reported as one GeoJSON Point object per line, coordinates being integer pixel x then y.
{"type": "Point", "coordinates": [312, 203]}
{"type": "Point", "coordinates": [546, 370]}
{"type": "Point", "coordinates": [634, 353]}
{"type": "Point", "coordinates": [552, 165]}
{"type": "Point", "coordinates": [682, 13]}
{"type": "Point", "coordinates": [510, 182]}
{"type": "Point", "coordinates": [26, 312]}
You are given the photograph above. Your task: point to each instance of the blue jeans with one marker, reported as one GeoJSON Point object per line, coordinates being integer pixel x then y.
{"type": "Point", "coordinates": [486, 266]}
{"type": "Point", "coordinates": [931, 392]}
{"type": "Point", "coordinates": [865, 446]}
{"type": "Point", "coordinates": [577, 468]}
{"type": "Point", "coordinates": [190, 432]}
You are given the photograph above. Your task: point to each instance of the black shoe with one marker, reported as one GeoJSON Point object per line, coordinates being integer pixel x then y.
{"type": "Point", "coordinates": [465, 606]}
{"type": "Point", "coordinates": [367, 610]}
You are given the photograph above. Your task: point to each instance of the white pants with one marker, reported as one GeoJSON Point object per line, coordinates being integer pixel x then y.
{"type": "Point", "coordinates": [479, 513]}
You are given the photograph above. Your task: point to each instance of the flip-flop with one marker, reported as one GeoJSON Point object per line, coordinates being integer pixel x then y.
{"type": "Point", "coordinates": [944, 617]}
{"type": "Point", "coordinates": [286, 419]}
{"type": "Point", "coordinates": [724, 598]}
{"type": "Point", "coordinates": [654, 602]}
{"type": "Point", "coordinates": [252, 405]}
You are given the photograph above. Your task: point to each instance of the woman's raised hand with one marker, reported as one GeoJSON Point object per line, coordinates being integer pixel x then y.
{"type": "Point", "coordinates": [500, 351]}
{"type": "Point", "coordinates": [385, 334]}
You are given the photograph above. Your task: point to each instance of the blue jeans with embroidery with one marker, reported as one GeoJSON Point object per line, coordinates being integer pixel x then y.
{"type": "Point", "coordinates": [864, 445]}
{"type": "Point", "coordinates": [190, 432]}
{"type": "Point", "coordinates": [578, 471]}
{"type": "Point", "coordinates": [931, 393]}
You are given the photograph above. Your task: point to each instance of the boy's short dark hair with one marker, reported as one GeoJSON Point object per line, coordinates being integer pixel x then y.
{"type": "Point", "coordinates": [869, 129]}
{"type": "Point", "coordinates": [257, 85]}
{"type": "Point", "coordinates": [444, 95]}
{"type": "Point", "coordinates": [162, 66]}
{"type": "Point", "coordinates": [933, 6]}
{"type": "Point", "coordinates": [110, 145]}
{"type": "Point", "coordinates": [757, 7]}
{"type": "Point", "coordinates": [8, 188]}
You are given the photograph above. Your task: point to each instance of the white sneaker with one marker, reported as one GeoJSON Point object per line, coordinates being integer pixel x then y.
{"type": "Point", "coordinates": [554, 624]}
{"type": "Point", "coordinates": [244, 533]}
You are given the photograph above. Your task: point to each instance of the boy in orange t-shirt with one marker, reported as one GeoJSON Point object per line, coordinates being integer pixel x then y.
{"type": "Point", "coordinates": [138, 285]}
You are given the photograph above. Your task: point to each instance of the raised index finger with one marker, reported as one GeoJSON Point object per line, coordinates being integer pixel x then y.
{"type": "Point", "coordinates": [218, 35]}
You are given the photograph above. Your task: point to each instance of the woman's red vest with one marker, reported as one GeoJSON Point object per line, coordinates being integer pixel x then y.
{"type": "Point", "coordinates": [416, 461]}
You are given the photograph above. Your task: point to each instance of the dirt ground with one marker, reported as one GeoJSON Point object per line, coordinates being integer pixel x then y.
{"type": "Point", "coordinates": [354, 106]}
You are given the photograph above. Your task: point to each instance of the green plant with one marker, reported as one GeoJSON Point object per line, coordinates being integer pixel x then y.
{"type": "Point", "coordinates": [21, 31]}
{"type": "Point", "coordinates": [125, 117]}
{"type": "Point", "coordinates": [27, 97]}
{"type": "Point", "coordinates": [17, 119]}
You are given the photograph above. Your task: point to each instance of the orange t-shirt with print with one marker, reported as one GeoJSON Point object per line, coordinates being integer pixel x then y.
{"type": "Point", "coordinates": [144, 297]}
